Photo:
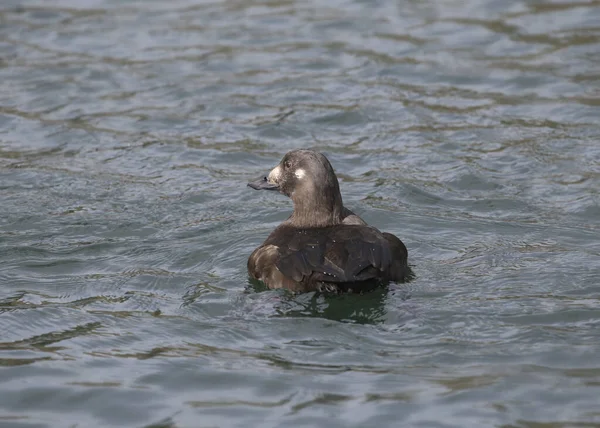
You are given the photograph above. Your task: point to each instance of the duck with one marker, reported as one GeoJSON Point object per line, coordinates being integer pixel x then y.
{"type": "Point", "coordinates": [322, 246]}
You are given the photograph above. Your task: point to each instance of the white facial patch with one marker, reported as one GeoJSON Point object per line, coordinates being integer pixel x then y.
{"type": "Point", "coordinates": [300, 173]}
{"type": "Point", "coordinates": [274, 175]}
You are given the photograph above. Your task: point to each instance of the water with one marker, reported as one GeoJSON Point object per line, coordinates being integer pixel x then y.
{"type": "Point", "coordinates": [128, 131]}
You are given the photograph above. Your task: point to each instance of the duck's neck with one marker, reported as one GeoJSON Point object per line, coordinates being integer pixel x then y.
{"type": "Point", "coordinates": [322, 209]}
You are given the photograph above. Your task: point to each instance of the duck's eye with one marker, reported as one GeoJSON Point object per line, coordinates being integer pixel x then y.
{"type": "Point", "coordinates": [287, 164]}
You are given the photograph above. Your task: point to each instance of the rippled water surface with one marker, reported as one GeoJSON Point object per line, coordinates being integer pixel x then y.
{"type": "Point", "coordinates": [128, 131]}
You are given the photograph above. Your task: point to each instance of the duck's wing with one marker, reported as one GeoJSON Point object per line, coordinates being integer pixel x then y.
{"type": "Point", "coordinates": [339, 254]}
{"type": "Point", "coordinates": [262, 265]}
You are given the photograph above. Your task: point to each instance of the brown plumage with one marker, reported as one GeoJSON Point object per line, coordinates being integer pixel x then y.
{"type": "Point", "coordinates": [323, 245]}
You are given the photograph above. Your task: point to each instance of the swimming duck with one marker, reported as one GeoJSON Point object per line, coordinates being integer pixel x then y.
{"type": "Point", "coordinates": [322, 246]}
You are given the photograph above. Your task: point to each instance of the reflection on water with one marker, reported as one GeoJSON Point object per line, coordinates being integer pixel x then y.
{"type": "Point", "coordinates": [128, 131]}
{"type": "Point", "coordinates": [367, 308]}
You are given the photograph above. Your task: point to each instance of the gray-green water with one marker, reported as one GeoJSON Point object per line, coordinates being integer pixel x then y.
{"type": "Point", "coordinates": [128, 131]}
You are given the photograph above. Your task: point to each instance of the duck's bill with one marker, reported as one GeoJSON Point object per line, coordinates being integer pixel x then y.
{"type": "Point", "coordinates": [263, 184]}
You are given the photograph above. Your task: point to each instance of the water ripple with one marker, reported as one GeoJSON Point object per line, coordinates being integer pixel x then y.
{"type": "Point", "coordinates": [128, 132]}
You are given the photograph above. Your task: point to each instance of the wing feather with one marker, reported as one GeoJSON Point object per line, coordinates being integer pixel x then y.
{"type": "Point", "coordinates": [340, 254]}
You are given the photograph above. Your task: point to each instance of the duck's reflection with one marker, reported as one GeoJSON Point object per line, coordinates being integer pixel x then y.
{"type": "Point", "coordinates": [367, 308]}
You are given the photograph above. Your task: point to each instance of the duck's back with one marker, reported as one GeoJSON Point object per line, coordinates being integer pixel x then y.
{"type": "Point", "coordinates": [336, 258]}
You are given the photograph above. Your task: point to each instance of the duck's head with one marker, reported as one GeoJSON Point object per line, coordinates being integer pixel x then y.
{"type": "Point", "coordinates": [308, 179]}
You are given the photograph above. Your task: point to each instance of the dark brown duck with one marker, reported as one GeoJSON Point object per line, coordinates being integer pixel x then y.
{"type": "Point", "coordinates": [322, 246]}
